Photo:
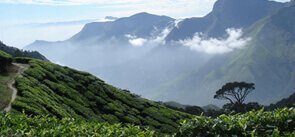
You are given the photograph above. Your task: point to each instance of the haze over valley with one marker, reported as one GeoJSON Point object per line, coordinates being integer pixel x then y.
{"type": "Point", "coordinates": [167, 59]}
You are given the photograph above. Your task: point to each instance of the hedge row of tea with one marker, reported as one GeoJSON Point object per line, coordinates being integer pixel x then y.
{"type": "Point", "coordinates": [276, 124]}
{"type": "Point", "coordinates": [22, 125]}
{"type": "Point", "coordinates": [49, 89]}
{"type": "Point", "coordinates": [280, 122]}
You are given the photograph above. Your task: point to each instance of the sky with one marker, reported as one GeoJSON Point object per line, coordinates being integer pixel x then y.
{"type": "Point", "coordinates": [17, 16]}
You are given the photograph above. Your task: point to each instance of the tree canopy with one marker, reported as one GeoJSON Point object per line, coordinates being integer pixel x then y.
{"type": "Point", "coordinates": [235, 92]}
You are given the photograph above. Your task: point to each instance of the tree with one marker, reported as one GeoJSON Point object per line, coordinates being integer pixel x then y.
{"type": "Point", "coordinates": [235, 92]}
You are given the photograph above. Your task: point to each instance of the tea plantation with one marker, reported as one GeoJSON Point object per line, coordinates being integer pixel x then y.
{"type": "Point", "coordinates": [50, 89]}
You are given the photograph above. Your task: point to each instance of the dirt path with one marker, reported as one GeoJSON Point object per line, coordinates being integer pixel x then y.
{"type": "Point", "coordinates": [20, 69]}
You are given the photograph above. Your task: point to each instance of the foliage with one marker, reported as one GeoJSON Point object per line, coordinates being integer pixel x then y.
{"type": "Point", "coordinates": [23, 125]}
{"type": "Point", "coordinates": [23, 60]}
{"type": "Point", "coordinates": [254, 123]}
{"type": "Point", "coordinates": [21, 53]}
{"type": "Point", "coordinates": [49, 89]}
{"type": "Point", "coordinates": [246, 107]}
{"type": "Point", "coordinates": [236, 93]}
{"type": "Point", "coordinates": [4, 55]}
{"type": "Point", "coordinates": [5, 60]}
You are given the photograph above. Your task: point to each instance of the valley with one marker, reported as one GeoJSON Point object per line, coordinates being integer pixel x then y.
{"type": "Point", "coordinates": [169, 69]}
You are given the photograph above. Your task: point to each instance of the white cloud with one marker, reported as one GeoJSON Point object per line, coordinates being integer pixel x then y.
{"type": "Point", "coordinates": [157, 38]}
{"type": "Point", "coordinates": [217, 46]}
{"type": "Point", "coordinates": [137, 42]}
{"type": "Point", "coordinates": [177, 22]}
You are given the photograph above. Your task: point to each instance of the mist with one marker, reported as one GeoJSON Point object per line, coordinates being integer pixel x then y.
{"type": "Point", "coordinates": [233, 41]}
{"type": "Point", "coordinates": [22, 35]}
{"type": "Point", "coordinates": [133, 53]}
{"type": "Point", "coordinates": [145, 66]}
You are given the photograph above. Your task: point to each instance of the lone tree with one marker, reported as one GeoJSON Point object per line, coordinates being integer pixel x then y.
{"type": "Point", "coordinates": [235, 92]}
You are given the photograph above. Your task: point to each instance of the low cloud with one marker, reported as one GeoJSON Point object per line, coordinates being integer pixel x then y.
{"type": "Point", "coordinates": [158, 38]}
{"type": "Point", "coordinates": [137, 42]}
{"type": "Point", "coordinates": [176, 23]}
{"type": "Point", "coordinates": [215, 45]}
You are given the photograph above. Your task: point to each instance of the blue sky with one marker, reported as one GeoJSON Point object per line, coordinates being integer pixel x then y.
{"type": "Point", "coordinates": [14, 13]}
{"type": "Point", "coordinates": [19, 11]}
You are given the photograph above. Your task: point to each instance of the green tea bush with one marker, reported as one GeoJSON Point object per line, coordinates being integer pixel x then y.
{"type": "Point", "coordinates": [39, 126]}
{"type": "Point", "coordinates": [50, 89]}
{"type": "Point", "coordinates": [255, 123]}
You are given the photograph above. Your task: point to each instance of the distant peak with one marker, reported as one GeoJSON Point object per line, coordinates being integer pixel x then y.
{"type": "Point", "coordinates": [39, 41]}
{"type": "Point", "coordinates": [147, 15]}
{"type": "Point", "coordinates": [111, 18]}
{"type": "Point", "coordinates": [143, 14]}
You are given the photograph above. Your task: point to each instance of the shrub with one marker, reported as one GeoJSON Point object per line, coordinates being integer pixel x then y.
{"type": "Point", "coordinates": [253, 123]}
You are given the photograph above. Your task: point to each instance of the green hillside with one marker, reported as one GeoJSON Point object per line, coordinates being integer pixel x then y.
{"type": "Point", "coordinates": [49, 89]}
{"type": "Point", "coordinates": [286, 102]}
{"type": "Point", "coordinates": [15, 52]}
{"type": "Point", "coordinates": [268, 60]}
{"type": "Point", "coordinates": [58, 101]}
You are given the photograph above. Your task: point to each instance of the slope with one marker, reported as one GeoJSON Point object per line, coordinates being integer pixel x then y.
{"type": "Point", "coordinates": [49, 89]}
{"type": "Point", "coordinates": [225, 14]}
{"type": "Point", "coordinates": [286, 102]}
{"type": "Point", "coordinates": [141, 25]}
{"type": "Point", "coordinates": [268, 61]}
{"type": "Point", "coordinates": [20, 53]}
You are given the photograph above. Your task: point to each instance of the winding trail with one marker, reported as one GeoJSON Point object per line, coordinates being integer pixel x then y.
{"type": "Point", "coordinates": [20, 69]}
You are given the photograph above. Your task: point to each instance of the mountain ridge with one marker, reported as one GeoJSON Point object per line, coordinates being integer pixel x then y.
{"type": "Point", "coordinates": [267, 61]}
{"type": "Point", "coordinates": [225, 14]}
{"type": "Point", "coordinates": [175, 72]}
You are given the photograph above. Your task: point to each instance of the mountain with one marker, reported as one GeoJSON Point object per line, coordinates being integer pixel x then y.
{"type": "Point", "coordinates": [132, 53]}
{"type": "Point", "coordinates": [267, 60]}
{"type": "Point", "coordinates": [20, 53]}
{"type": "Point", "coordinates": [225, 14]}
{"type": "Point", "coordinates": [140, 25]}
{"type": "Point", "coordinates": [286, 102]}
